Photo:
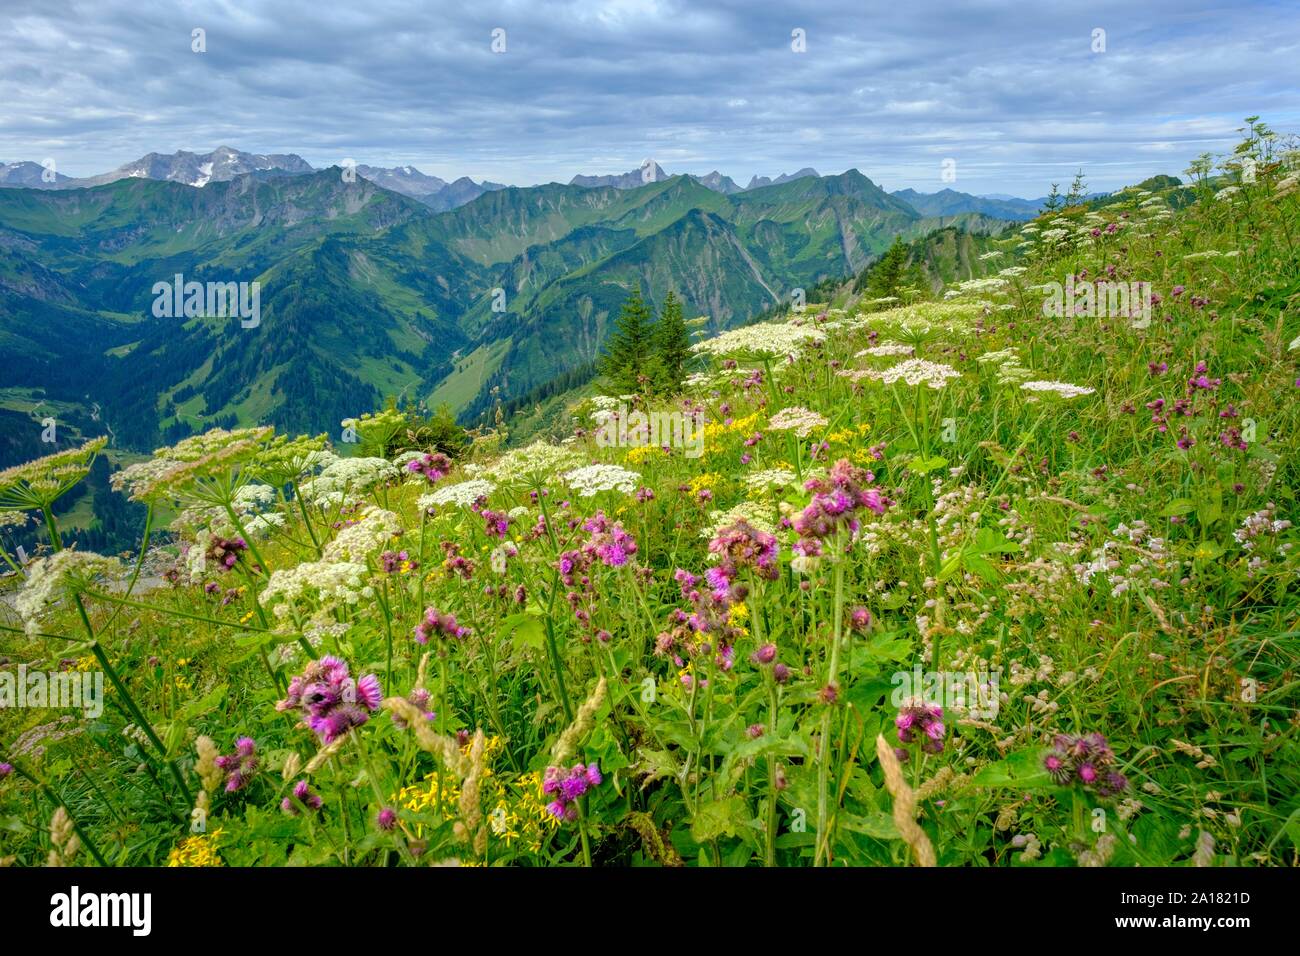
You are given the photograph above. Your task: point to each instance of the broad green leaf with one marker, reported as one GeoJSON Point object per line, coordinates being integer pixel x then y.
{"type": "Point", "coordinates": [982, 567]}
{"type": "Point", "coordinates": [526, 630]}
{"type": "Point", "coordinates": [920, 465]}
{"type": "Point", "coordinates": [720, 817]}
{"type": "Point", "coordinates": [875, 823]}
{"type": "Point", "coordinates": [1022, 770]}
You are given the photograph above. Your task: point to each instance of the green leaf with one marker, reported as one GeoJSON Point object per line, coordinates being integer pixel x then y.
{"type": "Point", "coordinates": [197, 708]}
{"type": "Point", "coordinates": [1178, 507]}
{"type": "Point", "coordinates": [982, 567]}
{"type": "Point", "coordinates": [657, 764]}
{"type": "Point", "coordinates": [720, 817]}
{"type": "Point", "coordinates": [921, 465]}
{"type": "Point", "coordinates": [880, 650]}
{"type": "Point", "coordinates": [1207, 551]}
{"type": "Point", "coordinates": [988, 541]}
{"type": "Point", "coordinates": [893, 600]}
{"type": "Point", "coordinates": [1208, 512]}
{"type": "Point", "coordinates": [875, 823]}
{"type": "Point", "coordinates": [951, 566]}
{"type": "Point", "coordinates": [1022, 770]}
{"type": "Point", "coordinates": [766, 745]}
{"type": "Point", "coordinates": [602, 745]}
{"type": "Point", "coordinates": [526, 630]}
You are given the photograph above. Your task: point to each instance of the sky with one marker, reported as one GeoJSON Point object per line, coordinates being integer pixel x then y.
{"type": "Point", "coordinates": [981, 97]}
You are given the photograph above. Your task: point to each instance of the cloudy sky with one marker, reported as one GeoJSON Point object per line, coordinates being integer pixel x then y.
{"type": "Point", "coordinates": [1014, 92]}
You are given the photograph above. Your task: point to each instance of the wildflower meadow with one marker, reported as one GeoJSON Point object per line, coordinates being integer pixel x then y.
{"type": "Point", "coordinates": [975, 577]}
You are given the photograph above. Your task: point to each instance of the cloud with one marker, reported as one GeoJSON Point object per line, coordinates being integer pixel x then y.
{"type": "Point", "coordinates": [1014, 92]}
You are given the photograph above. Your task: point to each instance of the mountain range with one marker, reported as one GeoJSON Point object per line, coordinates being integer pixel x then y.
{"type": "Point", "coordinates": [371, 286]}
{"type": "Point", "coordinates": [949, 202]}
{"type": "Point", "coordinates": [225, 163]}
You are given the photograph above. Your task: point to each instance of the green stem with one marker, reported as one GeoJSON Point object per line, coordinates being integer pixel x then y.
{"type": "Point", "coordinates": [306, 520]}
{"type": "Point", "coordinates": [821, 850]}
{"type": "Point", "coordinates": [54, 799]}
{"type": "Point", "coordinates": [130, 703]}
{"type": "Point", "coordinates": [139, 605]}
{"type": "Point", "coordinates": [55, 541]}
{"type": "Point", "coordinates": [553, 652]}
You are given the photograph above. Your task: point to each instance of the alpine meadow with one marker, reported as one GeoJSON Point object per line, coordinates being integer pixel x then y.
{"type": "Point", "coordinates": [357, 516]}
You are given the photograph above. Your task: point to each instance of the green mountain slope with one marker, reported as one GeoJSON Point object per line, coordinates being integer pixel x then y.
{"type": "Point", "coordinates": [367, 293]}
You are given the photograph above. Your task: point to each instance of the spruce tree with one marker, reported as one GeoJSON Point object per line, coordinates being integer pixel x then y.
{"type": "Point", "coordinates": [884, 277]}
{"type": "Point", "coordinates": [629, 345]}
{"type": "Point", "coordinates": [1053, 201]}
{"type": "Point", "coordinates": [1077, 190]}
{"type": "Point", "coordinates": [673, 345]}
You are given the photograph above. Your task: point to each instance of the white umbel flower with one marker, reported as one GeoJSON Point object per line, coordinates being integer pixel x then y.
{"type": "Point", "coordinates": [461, 495]}
{"type": "Point", "coordinates": [50, 579]}
{"type": "Point", "coordinates": [1063, 389]}
{"type": "Point", "coordinates": [593, 479]}
{"type": "Point", "coordinates": [918, 372]}
{"type": "Point", "coordinates": [316, 586]}
{"type": "Point", "coordinates": [766, 338]}
{"type": "Point", "coordinates": [757, 514]}
{"type": "Point", "coordinates": [771, 478]}
{"type": "Point", "coordinates": [344, 477]}
{"type": "Point", "coordinates": [886, 349]}
{"type": "Point", "coordinates": [539, 460]}
{"type": "Point", "coordinates": [797, 419]}
{"type": "Point", "coordinates": [374, 529]}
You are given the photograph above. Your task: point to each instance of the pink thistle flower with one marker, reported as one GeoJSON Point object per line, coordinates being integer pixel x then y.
{"type": "Point", "coordinates": [434, 467]}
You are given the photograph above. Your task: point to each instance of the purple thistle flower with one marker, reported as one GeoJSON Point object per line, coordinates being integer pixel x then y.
{"type": "Point", "coordinates": [331, 702]}
{"type": "Point", "coordinates": [369, 692]}
{"type": "Point", "coordinates": [224, 552]}
{"type": "Point", "coordinates": [438, 624]}
{"type": "Point", "coordinates": [568, 786]}
{"type": "Point", "coordinates": [434, 467]}
{"type": "Point", "coordinates": [1086, 759]}
{"type": "Point", "coordinates": [240, 766]}
{"type": "Point", "coordinates": [918, 720]}
{"type": "Point", "coordinates": [302, 795]}
{"type": "Point", "coordinates": [1057, 768]}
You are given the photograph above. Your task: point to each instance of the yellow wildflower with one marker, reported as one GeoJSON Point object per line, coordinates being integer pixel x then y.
{"type": "Point", "coordinates": [639, 454]}
{"type": "Point", "coordinates": [706, 480]}
{"type": "Point", "coordinates": [199, 850]}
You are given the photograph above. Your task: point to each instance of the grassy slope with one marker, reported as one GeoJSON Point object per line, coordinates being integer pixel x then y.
{"type": "Point", "coordinates": [1153, 651]}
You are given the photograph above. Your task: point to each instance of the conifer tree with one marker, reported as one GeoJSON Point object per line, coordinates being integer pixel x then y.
{"type": "Point", "coordinates": [884, 277]}
{"type": "Point", "coordinates": [672, 345]}
{"type": "Point", "coordinates": [629, 346]}
{"type": "Point", "coordinates": [1077, 190]}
